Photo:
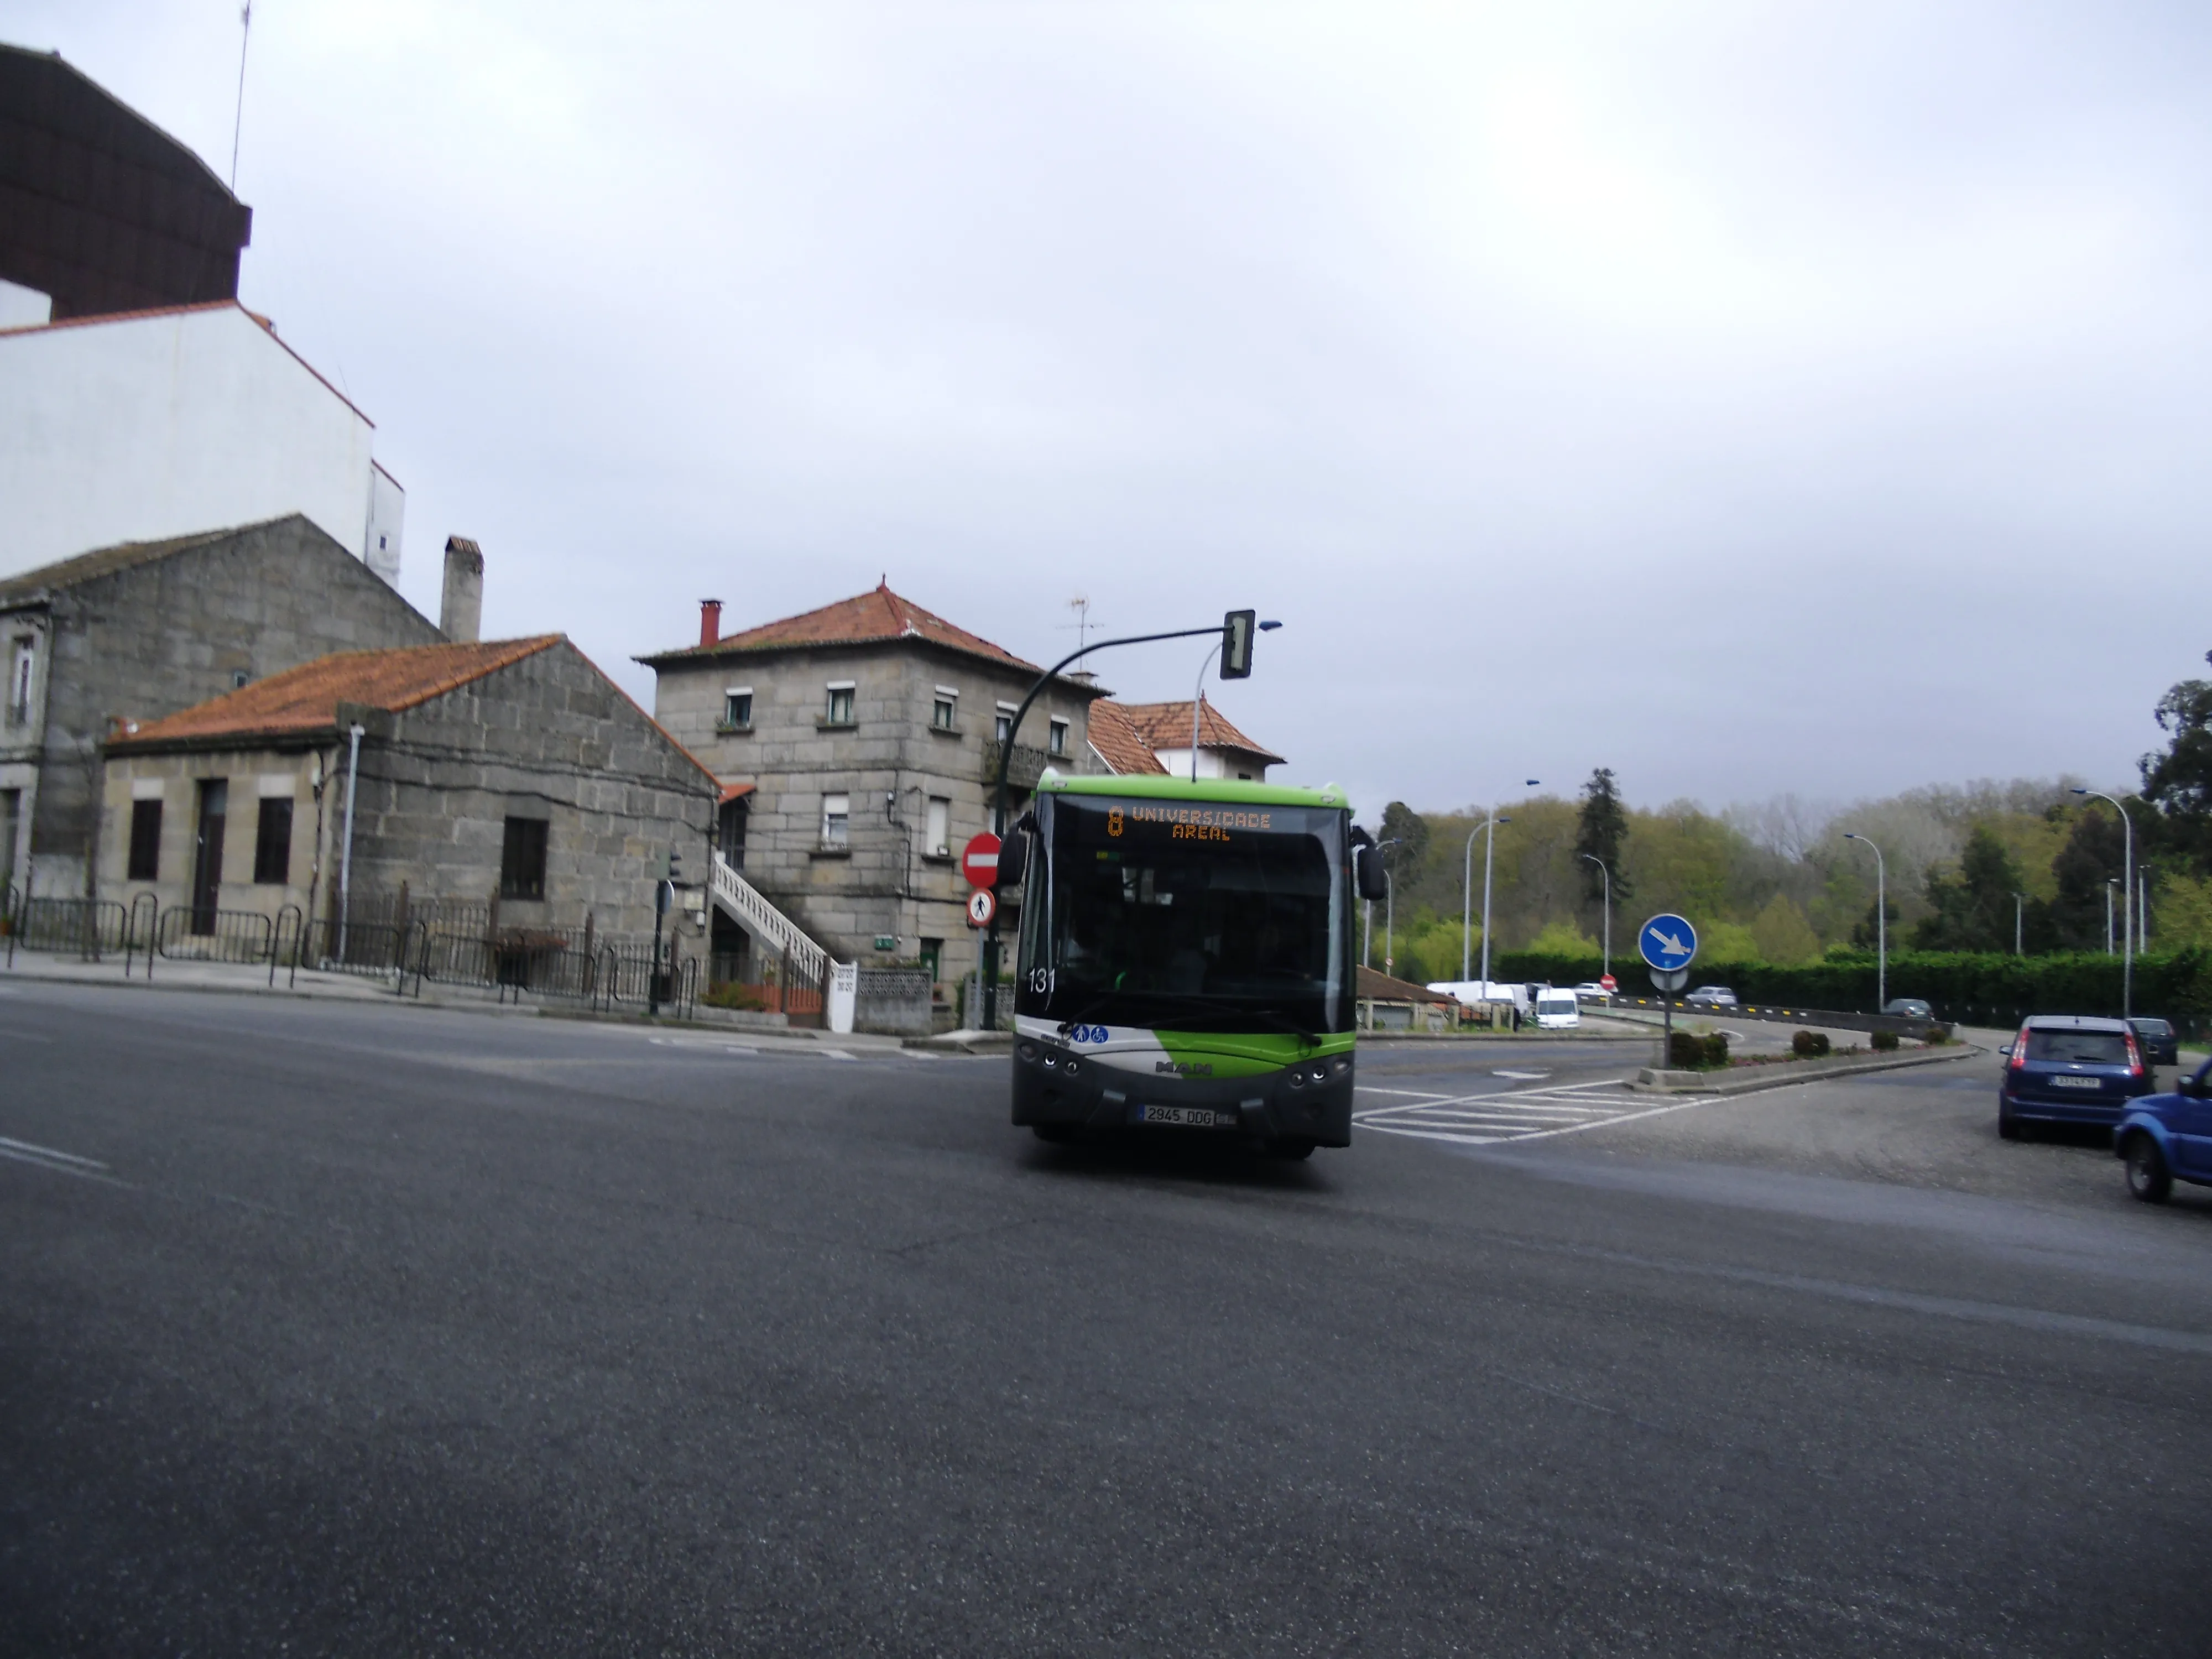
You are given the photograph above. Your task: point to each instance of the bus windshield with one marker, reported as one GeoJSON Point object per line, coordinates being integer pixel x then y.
{"type": "Point", "coordinates": [1205, 916]}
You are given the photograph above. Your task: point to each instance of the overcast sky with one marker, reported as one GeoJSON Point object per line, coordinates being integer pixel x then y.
{"type": "Point", "coordinates": [1750, 398]}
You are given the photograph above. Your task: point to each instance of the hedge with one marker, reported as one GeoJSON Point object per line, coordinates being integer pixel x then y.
{"type": "Point", "coordinates": [1961, 986]}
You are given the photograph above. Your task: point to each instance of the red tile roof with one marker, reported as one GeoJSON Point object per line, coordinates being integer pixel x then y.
{"type": "Point", "coordinates": [306, 699]}
{"type": "Point", "coordinates": [1167, 726]}
{"type": "Point", "coordinates": [868, 619]}
{"type": "Point", "coordinates": [1114, 736]}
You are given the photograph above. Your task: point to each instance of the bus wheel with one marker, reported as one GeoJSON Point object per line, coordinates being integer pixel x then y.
{"type": "Point", "coordinates": [1290, 1147]}
{"type": "Point", "coordinates": [1056, 1134]}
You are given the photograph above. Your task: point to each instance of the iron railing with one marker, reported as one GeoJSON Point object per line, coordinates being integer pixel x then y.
{"type": "Point", "coordinates": [189, 933]}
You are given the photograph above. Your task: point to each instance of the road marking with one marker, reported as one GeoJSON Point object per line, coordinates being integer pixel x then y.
{"type": "Point", "coordinates": [1512, 1114]}
{"type": "Point", "coordinates": [47, 1157]}
{"type": "Point", "coordinates": [1522, 1077]}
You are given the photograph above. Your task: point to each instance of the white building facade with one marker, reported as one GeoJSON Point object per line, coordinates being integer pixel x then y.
{"type": "Point", "coordinates": [154, 424]}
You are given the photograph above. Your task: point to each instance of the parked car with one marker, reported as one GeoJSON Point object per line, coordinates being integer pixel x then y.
{"type": "Point", "coordinates": [1590, 991]}
{"type": "Point", "coordinates": [2167, 1138]}
{"type": "Point", "coordinates": [1907, 1008]}
{"type": "Point", "coordinates": [2069, 1068]}
{"type": "Point", "coordinates": [1712, 996]}
{"type": "Point", "coordinates": [2161, 1043]}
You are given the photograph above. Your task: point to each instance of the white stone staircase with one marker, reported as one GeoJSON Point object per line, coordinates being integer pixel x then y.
{"type": "Point", "coordinates": [747, 906]}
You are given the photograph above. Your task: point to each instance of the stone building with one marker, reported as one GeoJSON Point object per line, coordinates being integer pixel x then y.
{"type": "Point", "coordinates": [510, 775]}
{"type": "Point", "coordinates": [856, 746]}
{"type": "Point", "coordinates": [146, 629]}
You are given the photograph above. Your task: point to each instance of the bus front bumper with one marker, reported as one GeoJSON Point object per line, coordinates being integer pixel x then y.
{"type": "Point", "coordinates": [1270, 1106]}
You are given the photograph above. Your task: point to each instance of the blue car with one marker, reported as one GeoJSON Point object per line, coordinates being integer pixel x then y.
{"type": "Point", "coordinates": [2069, 1068]}
{"type": "Point", "coordinates": [2168, 1137]}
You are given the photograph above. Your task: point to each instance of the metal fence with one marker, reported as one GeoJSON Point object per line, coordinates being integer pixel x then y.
{"type": "Point", "coordinates": [755, 981]}
{"type": "Point", "coordinates": [187, 934]}
{"type": "Point", "coordinates": [91, 928]}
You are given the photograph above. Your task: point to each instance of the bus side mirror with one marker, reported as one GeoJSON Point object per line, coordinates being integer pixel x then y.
{"type": "Point", "coordinates": [1014, 851]}
{"type": "Point", "coordinates": [1370, 880]}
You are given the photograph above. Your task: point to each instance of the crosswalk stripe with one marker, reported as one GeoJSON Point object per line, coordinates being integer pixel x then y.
{"type": "Point", "coordinates": [1509, 1115]}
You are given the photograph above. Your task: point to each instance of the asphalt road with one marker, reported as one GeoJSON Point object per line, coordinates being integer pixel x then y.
{"type": "Point", "coordinates": [378, 1331]}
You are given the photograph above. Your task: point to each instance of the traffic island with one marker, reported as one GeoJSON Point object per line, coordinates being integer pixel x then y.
{"type": "Point", "coordinates": [1782, 1074]}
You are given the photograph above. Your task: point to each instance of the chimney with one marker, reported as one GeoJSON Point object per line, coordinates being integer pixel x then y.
{"type": "Point", "coordinates": [460, 611]}
{"type": "Point", "coordinates": [710, 621]}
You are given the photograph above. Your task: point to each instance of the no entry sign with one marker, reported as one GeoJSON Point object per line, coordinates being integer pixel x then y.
{"type": "Point", "coordinates": [979, 861]}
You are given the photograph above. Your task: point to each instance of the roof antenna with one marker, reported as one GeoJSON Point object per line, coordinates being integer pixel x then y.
{"type": "Point", "coordinates": [238, 118]}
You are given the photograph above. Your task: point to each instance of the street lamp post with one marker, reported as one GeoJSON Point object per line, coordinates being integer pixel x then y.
{"type": "Point", "coordinates": [1367, 937]}
{"type": "Point", "coordinates": [1389, 922]}
{"type": "Point", "coordinates": [2019, 908]}
{"type": "Point", "coordinates": [1608, 874]}
{"type": "Point", "coordinates": [1467, 894]}
{"type": "Point", "coordinates": [1197, 703]}
{"type": "Point", "coordinates": [2127, 886]}
{"type": "Point", "coordinates": [1880, 921]}
{"type": "Point", "coordinates": [1489, 855]}
{"type": "Point", "coordinates": [2111, 882]}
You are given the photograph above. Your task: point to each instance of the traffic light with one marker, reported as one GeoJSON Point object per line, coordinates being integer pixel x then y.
{"type": "Point", "coordinates": [675, 865]}
{"type": "Point", "coordinates": [1237, 644]}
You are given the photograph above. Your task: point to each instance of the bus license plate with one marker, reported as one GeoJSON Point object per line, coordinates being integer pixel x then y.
{"type": "Point", "coordinates": [1190, 1117]}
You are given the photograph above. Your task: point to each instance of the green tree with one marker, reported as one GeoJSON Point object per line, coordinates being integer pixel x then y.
{"type": "Point", "coordinates": [1410, 830]}
{"type": "Point", "coordinates": [1971, 909]}
{"type": "Point", "coordinates": [2094, 854]}
{"type": "Point", "coordinates": [1601, 830]}
{"type": "Point", "coordinates": [2178, 782]}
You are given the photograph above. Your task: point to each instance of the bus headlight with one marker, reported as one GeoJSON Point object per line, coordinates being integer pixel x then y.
{"type": "Point", "coordinates": [1028, 1051]}
{"type": "Point", "coordinates": [1339, 1065]}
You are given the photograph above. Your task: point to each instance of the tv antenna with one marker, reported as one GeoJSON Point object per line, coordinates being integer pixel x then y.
{"type": "Point", "coordinates": [1080, 604]}
{"type": "Point", "coordinates": [238, 117]}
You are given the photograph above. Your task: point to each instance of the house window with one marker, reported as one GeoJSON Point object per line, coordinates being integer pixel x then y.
{"type": "Point", "coordinates": [1058, 740]}
{"type": "Point", "coordinates": [522, 860]}
{"type": "Point", "coordinates": [836, 820]}
{"type": "Point", "coordinates": [738, 706]}
{"type": "Point", "coordinates": [841, 704]}
{"type": "Point", "coordinates": [945, 711]}
{"type": "Point", "coordinates": [239, 679]}
{"type": "Point", "coordinates": [19, 681]}
{"type": "Point", "coordinates": [272, 841]}
{"type": "Point", "coordinates": [1003, 727]}
{"type": "Point", "coordinates": [939, 840]}
{"type": "Point", "coordinates": [145, 841]}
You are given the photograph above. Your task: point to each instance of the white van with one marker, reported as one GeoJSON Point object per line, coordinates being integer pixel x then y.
{"type": "Point", "coordinates": [1473, 993]}
{"type": "Point", "coordinates": [1556, 1011]}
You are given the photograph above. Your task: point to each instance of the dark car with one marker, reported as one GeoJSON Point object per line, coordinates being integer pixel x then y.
{"type": "Point", "coordinates": [2161, 1043]}
{"type": "Point", "coordinates": [2069, 1068]}
{"type": "Point", "coordinates": [2168, 1137]}
{"type": "Point", "coordinates": [1907, 1008]}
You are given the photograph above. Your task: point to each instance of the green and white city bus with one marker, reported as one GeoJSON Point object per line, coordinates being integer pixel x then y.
{"type": "Point", "coordinates": [1187, 959]}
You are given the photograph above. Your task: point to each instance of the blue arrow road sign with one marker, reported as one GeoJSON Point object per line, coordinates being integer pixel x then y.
{"type": "Point", "coordinates": [1667, 941]}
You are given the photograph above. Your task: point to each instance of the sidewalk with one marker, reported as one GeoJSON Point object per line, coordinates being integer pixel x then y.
{"type": "Point", "coordinates": [232, 979]}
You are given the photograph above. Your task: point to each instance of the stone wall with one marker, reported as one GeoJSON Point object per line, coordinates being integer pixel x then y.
{"type": "Point", "coordinates": [888, 762]}
{"type": "Point", "coordinates": [153, 638]}
{"type": "Point", "coordinates": [548, 738]}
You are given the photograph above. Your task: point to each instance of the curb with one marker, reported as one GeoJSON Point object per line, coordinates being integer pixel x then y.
{"type": "Point", "coordinates": [1790, 1073]}
{"type": "Point", "coordinates": [963, 1042]}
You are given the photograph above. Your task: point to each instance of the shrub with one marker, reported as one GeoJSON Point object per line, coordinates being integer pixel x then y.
{"type": "Point", "coordinates": [729, 993]}
{"type": "Point", "coordinates": [1884, 1043]}
{"type": "Point", "coordinates": [1809, 1045]}
{"type": "Point", "coordinates": [1688, 1052]}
